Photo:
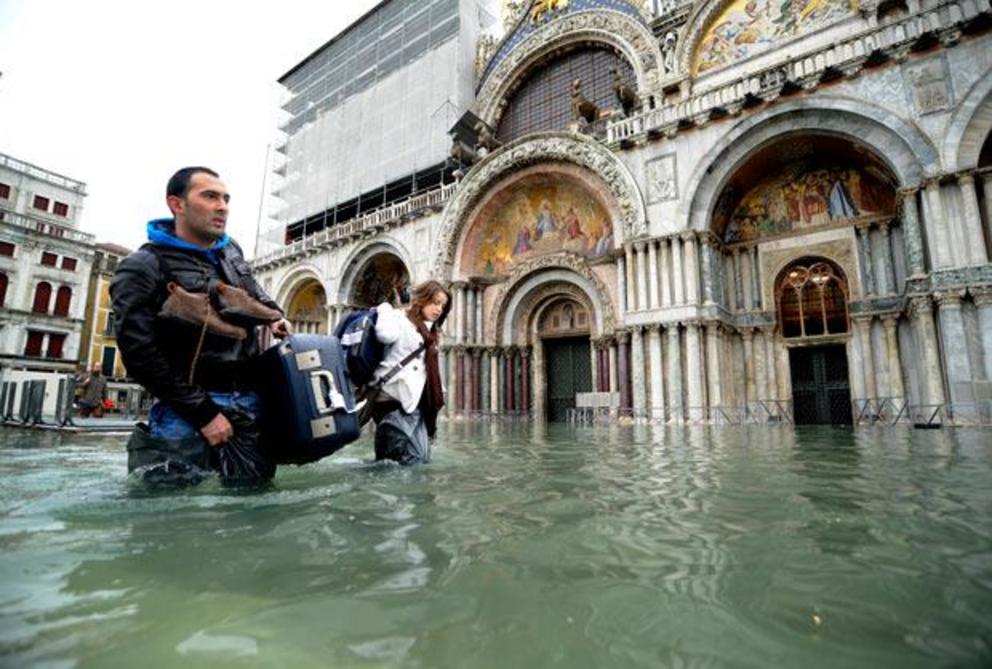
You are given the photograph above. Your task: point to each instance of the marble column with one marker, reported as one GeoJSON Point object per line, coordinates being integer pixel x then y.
{"type": "Point", "coordinates": [657, 378]}
{"type": "Point", "coordinates": [938, 234]}
{"type": "Point", "coordinates": [459, 380]}
{"type": "Point", "coordinates": [476, 380]}
{"type": "Point", "coordinates": [863, 326]}
{"type": "Point", "coordinates": [495, 383]}
{"type": "Point", "coordinates": [912, 240]}
{"type": "Point", "coordinates": [746, 279]}
{"type": "Point", "coordinates": [921, 311]}
{"type": "Point", "coordinates": [675, 409]}
{"type": "Point", "coordinates": [691, 267]}
{"type": "Point", "coordinates": [485, 382]}
{"type": "Point", "coordinates": [628, 252]}
{"type": "Point", "coordinates": [954, 345]}
{"type": "Point", "coordinates": [710, 271]}
{"type": "Point", "coordinates": [694, 373]}
{"type": "Point", "coordinates": [469, 315]}
{"type": "Point", "coordinates": [987, 192]}
{"type": "Point", "coordinates": [771, 364]}
{"type": "Point", "coordinates": [982, 297]}
{"type": "Point", "coordinates": [623, 371]}
{"type": "Point", "coordinates": [738, 274]}
{"type": "Point", "coordinates": [892, 364]}
{"type": "Point", "coordinates": [499, 397]}
{"type": "Point", "coordinates": [459, 313]}
{"type": "Point", "coordinates": [972, 221]}
{"type": "Point", "coordinates": [637, 371]}
{"type": "Point", "coordinates": [612, 371]}
{"type": "Point", "coordinates": [622, 283]}
{"type": "Point", "coordinates": [887, 273]}
{"type": "Point", "coordinates": [451, 377]}
{"type": "Point", "coordinates": [751, 388]}
{"type": "Point", "coordinates": [678, 272]}
{"type": "Point", "coordinates": [525, 380]}
{"type": "Point", "coordinates": [594, 362]}
{"type": "Point", "coordinates": [713, 390]}
{"type": "Point", "coordinates": [755, 278]}
{"type": "Point", "coordinates": [653, 274]}
{"type": "Point", "coordinates": [509, 376]}
{"type": "Point", "coordinates": [479, 338]}
{"type": "Point", "coordinates": [784, 370]}
{"type": "Point", "coordinates": [864, 251]}
{"type": "Point", "coordinates": [665, 271]}
{"type": "Point", "coordinates": [640, 277]}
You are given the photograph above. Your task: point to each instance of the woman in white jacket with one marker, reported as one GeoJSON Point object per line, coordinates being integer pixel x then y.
{"type": "Point", "coordinates": [405, 412]}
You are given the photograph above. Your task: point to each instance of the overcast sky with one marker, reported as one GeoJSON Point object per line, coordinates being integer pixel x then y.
{"type": "Point", "coordinates": [118, 94]}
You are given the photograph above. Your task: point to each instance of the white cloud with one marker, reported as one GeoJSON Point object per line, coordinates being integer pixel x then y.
{"type": "Point", "coordinates": [120, 94]}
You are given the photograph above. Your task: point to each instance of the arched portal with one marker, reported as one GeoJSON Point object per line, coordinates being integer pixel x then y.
{"type": "Point", "coordinates": [307, 308]}
{"type": "Point", "coordinates": [382, 277]}
{"type": "Point", "coordinates": [562, 332]}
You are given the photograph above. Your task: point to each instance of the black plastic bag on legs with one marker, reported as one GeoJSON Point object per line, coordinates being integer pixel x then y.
{"type": "Point", "coordinates": [241, 461]}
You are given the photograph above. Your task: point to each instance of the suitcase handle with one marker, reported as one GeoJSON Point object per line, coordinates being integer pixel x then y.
{"type": "Point", "coordinates": [326, 400]}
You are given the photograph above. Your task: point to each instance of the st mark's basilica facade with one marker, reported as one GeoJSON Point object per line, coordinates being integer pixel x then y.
{"type": "Point", "coordinates": [711, 211]}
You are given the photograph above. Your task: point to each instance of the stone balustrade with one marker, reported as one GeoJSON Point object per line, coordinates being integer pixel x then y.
{"type": "Point", "coordinates": [364, 226]}
{"type": "Point", "coordinates": [46, 228]}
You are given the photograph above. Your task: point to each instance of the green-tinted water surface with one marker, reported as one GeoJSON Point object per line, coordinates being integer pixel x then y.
{"type": "Point", "coordinates": [517, 547]}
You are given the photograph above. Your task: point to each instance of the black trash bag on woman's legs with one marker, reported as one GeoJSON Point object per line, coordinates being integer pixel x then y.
{"type": "Point", "coordinates": [241, 461]}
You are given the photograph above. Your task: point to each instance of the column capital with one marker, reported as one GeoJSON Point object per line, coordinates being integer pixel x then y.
{"type": "Point", "coordinates": [475, 352]}
{"type": "Point", "coordinates": [688, 235]}
{"type": "Point", "coordinates": [919, 304]}
{"type": "Point", "coordinates": [653, 328]}
{"type": "Point", "coordinates": [890, 321]}
{"type": "Point", "coordinates": [768, 330]}
{"type": "Point", "coordinates": [623, 336]}
{"type": "Point", "coordinates": [883, 227]}
{"type": "Point", "coordinates": [950, 299]}
{"type": "Point", "coordinates": [965, 178]}
{"type": "Point", "coordinates": [747, 333]}
{"type": "Point", "coordinates": [459, 284]}
{"type": "Point", "coordinates": [982, 295]}
{"type": "Point", "coordinates": [862, 321]}
{"type": "Point", "coordinates": [907, 192]}
{"type": "Point", "coordinates": [931, 182]}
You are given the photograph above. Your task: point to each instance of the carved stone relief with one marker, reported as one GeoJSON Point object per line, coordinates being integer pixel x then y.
{"type": "Point", "coordinates": [928, 85]}
{"type": "Point", "coordinates": [661, 179]}
{"type": "Point", "coordinates": [775, 257]}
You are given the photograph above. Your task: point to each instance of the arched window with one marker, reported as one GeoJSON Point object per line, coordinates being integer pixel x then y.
{"type": "Point", "coordinates": [543, 101]}
{"type": "Point", "coordinates": [812, 300]}
{"type": "Point", "coordinates": [42, 296]}
{"type": "Point", "coordinates": [62, 299]}
{"type": "Point", "coordinates": [3, 288]}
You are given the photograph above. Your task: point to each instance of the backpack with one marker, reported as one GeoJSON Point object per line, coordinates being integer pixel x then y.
{"type": "Point", "coordinates": [362, 349]}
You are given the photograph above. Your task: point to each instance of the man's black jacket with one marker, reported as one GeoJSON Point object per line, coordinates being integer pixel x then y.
{"type": "Point", "coordinates": [158, 351]}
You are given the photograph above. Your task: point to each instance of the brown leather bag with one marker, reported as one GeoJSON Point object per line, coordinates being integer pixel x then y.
{"type": "Point", "coordinates": [195, 308]}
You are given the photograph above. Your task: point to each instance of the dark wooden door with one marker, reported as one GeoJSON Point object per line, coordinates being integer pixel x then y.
{"type": "Point", "coordinates": [568, 371]}
{"type": "Point", "coordinates": [821, 392]}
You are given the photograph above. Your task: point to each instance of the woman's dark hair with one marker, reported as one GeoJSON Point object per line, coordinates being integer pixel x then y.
{"type": "Point", "coordinates": [422, 294]}
{"type": "Point", "coordinates": [179, 182]}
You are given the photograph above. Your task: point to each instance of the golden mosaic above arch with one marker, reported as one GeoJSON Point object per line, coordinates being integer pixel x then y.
{"type": "Point", "coordinates": [745, 28]}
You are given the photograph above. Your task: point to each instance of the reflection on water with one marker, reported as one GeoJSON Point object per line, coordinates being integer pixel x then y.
{"type": "Point", "coordinates": [519, 546]}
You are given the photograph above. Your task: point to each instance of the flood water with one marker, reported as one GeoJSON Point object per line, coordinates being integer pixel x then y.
{"type": "Point", "coordinates": [519, 546]}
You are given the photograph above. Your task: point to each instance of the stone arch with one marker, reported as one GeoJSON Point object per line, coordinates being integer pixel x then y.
{"type": "Point", "coordinates": [514, 298]}
{"type": "Point", "coordinates": [549, 295]}
{"type": "Point", "coordinates": [353, 264]}
{"type": "Point", "coordinates": [695, 25]}
{"type": "Point", "coordinates": [287, 286]}
{"type": "Point", "coordinates": [306, 306]}
{"type": "Point", "coordinates": [543, 148]}
{"type": "Point", "coordinates": [898, 144]}
{"type": "Point", "coordinates": [611, 28]}
{"type": "Point", "coordinates": [969, 127]}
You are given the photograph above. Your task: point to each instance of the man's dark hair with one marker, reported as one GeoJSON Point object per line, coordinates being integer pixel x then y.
{"type": "Point", "coordinates": [179, 182]}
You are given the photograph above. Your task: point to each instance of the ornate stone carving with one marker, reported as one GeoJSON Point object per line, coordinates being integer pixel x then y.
{"type": "Point", "coordinates": [661, 179]}
{"type": "Point", "coordinates": [556, 147]}
{"type": "Point", "coordinates": [964, 276]}
{"type": "Point", "coordinates": [982, 295]}
{"type": "Point", "coordinates": [927, 82]}
{"type": "Point", "coordinates": [563, 260]}
{"type": "Point", "coordinates": [950, 298]}
{"type": "Point", "coordinates": [485, 49]}
{"type": "Point", "coordinates": [920, 305]}
{"type": "Point", "coordinates": [623, 32]}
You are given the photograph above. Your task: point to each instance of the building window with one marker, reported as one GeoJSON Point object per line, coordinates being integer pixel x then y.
{"type": "Point", "coordinates": [108, 331]}
{"type": "Point", "coordinates": [3, 288]}
{"type": "Point", "coordinates": [60, 209]}
{"type": "Point", "coordinates": [544, 100]}
{"type": "Point", "coordinates": [55, 344]}
{"type": "Point", "coordinates": [33, 345]}
{"type": "Point", "coordinates": [62, 299]}
{"type": "Point", "coordinates": [109, 360]}
{"type": "Point", "coordinates": [42, 296]}
{"type": "Point", "coordinates": [40, 202]}
{"type": "Point", "coordinates": [812, 300]}
{"type": "Point", "coordinates": [69, 263]}
{"type": "Point", "coordinates": [4, 192]}
{"type": "Point", "coordinates": [7, 249]}
{"type": "Point", "coordinates": [49, 259]}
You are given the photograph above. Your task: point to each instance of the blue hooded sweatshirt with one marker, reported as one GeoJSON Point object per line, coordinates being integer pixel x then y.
{"type": "Point", "coordinates": [162, 231]}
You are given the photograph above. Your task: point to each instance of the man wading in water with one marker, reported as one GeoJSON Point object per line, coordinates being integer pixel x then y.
{"type": "Point", "coordinates": [187, 312]}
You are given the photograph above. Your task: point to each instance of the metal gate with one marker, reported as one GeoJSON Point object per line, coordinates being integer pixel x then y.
{"type": "Point", "coordinates": [821, 392]}
{"type": "Point", "coordinates": [568, 371]}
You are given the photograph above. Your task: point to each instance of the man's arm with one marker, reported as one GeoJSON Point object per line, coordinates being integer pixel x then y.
{"type": "Point", "coordinates": [134, 291]}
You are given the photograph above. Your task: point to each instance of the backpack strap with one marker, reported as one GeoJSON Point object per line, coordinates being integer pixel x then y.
{"type": "Point", "coordinates": [400, 365]}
